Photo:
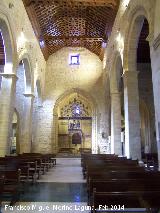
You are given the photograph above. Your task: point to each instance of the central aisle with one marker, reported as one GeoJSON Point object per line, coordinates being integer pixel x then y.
{"type": "Point", "coordinates": [68, 170]}
{"type": "Point", "coordinates": [61, 190]}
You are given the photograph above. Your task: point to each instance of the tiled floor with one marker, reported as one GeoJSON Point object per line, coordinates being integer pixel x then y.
{"type": "Point", "coordinates": [61, 190]}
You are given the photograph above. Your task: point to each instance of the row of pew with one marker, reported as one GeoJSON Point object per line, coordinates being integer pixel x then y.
{"type": "Point", "coordinates": [17, 172]}
{"type": "Point", "coordinates": [119, 184]}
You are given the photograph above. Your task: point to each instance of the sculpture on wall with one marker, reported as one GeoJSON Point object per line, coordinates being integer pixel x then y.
{"type": "Point", "coordinates": [75, 108]}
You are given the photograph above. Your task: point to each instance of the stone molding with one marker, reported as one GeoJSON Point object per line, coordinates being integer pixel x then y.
{"type": "Point", "coordinates": [9, 75]}
{"type": "Point", "coordinates": [115, 93]}
{"type": "Point", "coordinates": [130, 73]}
{"type": "Point", "coordinates": [29, 95]}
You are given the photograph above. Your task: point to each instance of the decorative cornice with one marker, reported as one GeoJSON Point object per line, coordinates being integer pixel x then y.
{"type": "Point", "coordinates": [9, 75]}
{"type": "Point", "coordinates": [156, 42]}
{"type": "Point", "coordinates": [29, 95]}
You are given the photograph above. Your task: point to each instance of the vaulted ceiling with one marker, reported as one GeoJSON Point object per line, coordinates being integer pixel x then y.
{"type": "Point", "coordinates": [72, 23]}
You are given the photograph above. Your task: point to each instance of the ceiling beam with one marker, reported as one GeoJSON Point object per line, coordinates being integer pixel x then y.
{"type": "Point", "coordinates": [50, 17]}
{"type": "Point", "coordinates": [49, 37]}
{"type": "Point", "coordinates": [110, 3]}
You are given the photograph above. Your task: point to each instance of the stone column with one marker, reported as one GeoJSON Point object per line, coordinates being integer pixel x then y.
{"type": "Point", "coordinates": [132, 115]}
{"type": "Point", "coordinates": [155, 62]}
{"type": "Point", "coordinates": [7, 94]}
{"type": "Point", "coordinates": [156, 91]}
{"type": "Point", "coordinates": [116, 124]}
{"type": "Point", "coordinates": [26, 144]}
{"type": "Point", "coordinates": [55, 147]}
{"type": "Point", "coordinates": [94, 134]}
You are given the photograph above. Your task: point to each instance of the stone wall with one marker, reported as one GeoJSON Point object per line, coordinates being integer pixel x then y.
{"type": "Point", "coordinates": [20, 23]}
{"type": "Point", "coordinates": [62, 77]}
{"type": "Point", "coordinates": [123, 41]}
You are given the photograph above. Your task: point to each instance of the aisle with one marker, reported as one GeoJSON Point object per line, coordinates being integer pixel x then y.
{"type": "Point", "coordinates": [68, 170]}
{"type": "Point", "coordinates": [61, 190]}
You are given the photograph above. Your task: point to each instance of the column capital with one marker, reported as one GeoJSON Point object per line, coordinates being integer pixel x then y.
{"type": "Point", "coordinates": [9, 75]}
{"type": "Point", "coordinates": [115, 93]}
{"type": "Point", "coordinates": [129, 73]}
{"type": "Point", "coordinates": [55, 114]}
{"type": "Point", "coordinates": [29, 95]}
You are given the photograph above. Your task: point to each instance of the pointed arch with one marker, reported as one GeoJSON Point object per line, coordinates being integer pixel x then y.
{"type": "Point", "coordinates": [135, 16]}
{"type": "Point", "coordinates": [28, 73]}
{"type": "Point", "coordinates": [81, 92]}
{"type": "Point", "coordinates": [9, 41]}
{"type": "Point", "coordinates": [116, 73]}
{"type": "Point", "coordinates": [93, 105]}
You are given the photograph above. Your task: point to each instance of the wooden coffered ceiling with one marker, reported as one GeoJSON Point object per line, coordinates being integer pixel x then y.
{"type": "Point", "coordinates": [71, 23]}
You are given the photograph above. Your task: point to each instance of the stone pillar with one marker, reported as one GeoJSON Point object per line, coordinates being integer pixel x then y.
{"type": "Point", "coordinates": [94, 134]}
{"type": "Point", "coordinates": [26, 144]}
{"type": "Point", "coordinates": [155, 63]}
{"type": "Point", "coordinates": [156, 91]}
{"type": "Point", "coordinates": [55, 147]}
{"type": "Point", "coordinates": [132, 115]}
{"type": "Point", "coordinates": [7, 94]}
{"type": "Point", "coordinates": [116, 124]}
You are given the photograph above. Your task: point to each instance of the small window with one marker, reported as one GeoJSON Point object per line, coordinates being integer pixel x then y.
{"type": "Point", "coordinates": [74, 59]}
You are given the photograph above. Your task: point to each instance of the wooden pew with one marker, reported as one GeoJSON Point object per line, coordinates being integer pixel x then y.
{"type": "Point", "coordinates": [32, 166]}
{"type": "Point", "coordinates": [11, 187]}
{"type": "Point", "coordinates": [1, 189]}
{"type": "Point", "coordinates": [122, 185]}
{"type": "Point", "coordinates": [93, 160]}
{"type": "Point", "coordinates": [27, 166]}
{"type": "Point", "coordinates": [99, 170]}
{"type": "Point", "coordinates": [124, 174]}
{"type": "Point", "coordinates": [47, 159]}
{"type": "Point", "coordinates": [85, 157]}
{"type": "Point", "coordinates": [100, 165]}
{"type": "Point", "coordinates": [133, 199]}
{"type": "Point", "coordinates": [107, 177]}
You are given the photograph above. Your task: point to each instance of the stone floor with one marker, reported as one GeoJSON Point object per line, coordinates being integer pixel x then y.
{"type": "Point", "coordinates": [61, 190]}
{"type": "Point", "coordinates": [68, 170]}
